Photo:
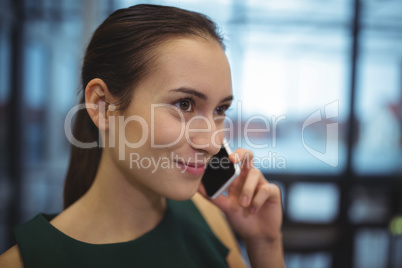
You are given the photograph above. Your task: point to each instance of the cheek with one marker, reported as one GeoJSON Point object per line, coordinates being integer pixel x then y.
{"type": "Point", "coordinates": [133, 131]}
{"type": "Point", "coordinates": [220, 132]}
{"type": "Point", "coordinates": [167, 130]}
{"type": "Point", "coordinates": [127, 133]}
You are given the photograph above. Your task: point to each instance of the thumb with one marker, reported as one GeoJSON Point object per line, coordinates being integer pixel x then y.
{"type": "Point", "coordinates": [222, 203]}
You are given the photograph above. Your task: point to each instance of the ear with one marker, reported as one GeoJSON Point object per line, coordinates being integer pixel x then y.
{"type": "Point", "coordinates": [95, 94]}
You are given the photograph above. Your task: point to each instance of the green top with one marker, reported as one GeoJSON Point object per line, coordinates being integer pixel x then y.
{"type": "Point", "coordinates": [181, 239]}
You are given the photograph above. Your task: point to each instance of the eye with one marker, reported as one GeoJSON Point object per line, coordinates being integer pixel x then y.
{"type": "Point", "coordinates": [221, 110]}
{"type": "Point", "coordinates": [185, 105]}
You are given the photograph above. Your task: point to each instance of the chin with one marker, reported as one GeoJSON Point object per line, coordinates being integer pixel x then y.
{"type": "Point", "coordinates": [182, 194]}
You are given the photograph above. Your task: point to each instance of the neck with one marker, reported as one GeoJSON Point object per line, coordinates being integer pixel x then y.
{"type": "Point", "coordinates": [115, 208]}
{"type": "Point", "coordinates": [116, 193]}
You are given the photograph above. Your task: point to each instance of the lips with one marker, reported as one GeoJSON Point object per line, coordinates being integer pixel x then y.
{"type": "Point", "coordinates": [192, 168]}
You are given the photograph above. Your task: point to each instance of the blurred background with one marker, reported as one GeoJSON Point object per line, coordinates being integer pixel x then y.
{"type": "Point", "coordinates": [318, 82]}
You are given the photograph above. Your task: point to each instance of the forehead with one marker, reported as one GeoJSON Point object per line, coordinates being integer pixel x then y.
{"type": "Point", "coordinates": [190, 62]}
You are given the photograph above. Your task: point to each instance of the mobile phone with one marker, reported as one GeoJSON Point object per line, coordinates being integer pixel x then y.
{"type": "Point", "coordinates": [220, 172]}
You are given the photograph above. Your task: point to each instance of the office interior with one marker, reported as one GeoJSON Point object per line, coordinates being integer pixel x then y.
{"type": "Point", "coordinates": [318, 82]}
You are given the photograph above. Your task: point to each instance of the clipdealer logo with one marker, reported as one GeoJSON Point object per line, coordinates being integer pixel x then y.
{"type": "Point", "coordinates": [331, 111]}
{"type": "Point", "coordinates": [330, 155]}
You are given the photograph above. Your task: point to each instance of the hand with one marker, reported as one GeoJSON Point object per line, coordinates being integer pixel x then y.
{"type": "Point", "coordinates": [253, 205]}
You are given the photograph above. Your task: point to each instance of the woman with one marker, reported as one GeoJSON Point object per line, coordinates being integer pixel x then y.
{"type": "Point", "coordinates": [156, 85]}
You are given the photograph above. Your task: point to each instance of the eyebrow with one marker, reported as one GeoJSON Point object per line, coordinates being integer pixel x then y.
{"type": "Point", "coordinates": [199, 94]}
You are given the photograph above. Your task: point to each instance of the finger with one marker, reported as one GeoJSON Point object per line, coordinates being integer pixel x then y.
{"type": "Point", "coordinates": [219, 201]}
{"type": "Point", "coordinates": [249, 187]}
{"type": "Point", "coordinates": [245, 157]}
{"type": "Point", "coordinates": [268, 192]}
{"type": "Point", "coordinates": [242, 155]}
{"type": "Point", "coordinates": [222, 203]}
{"type": "Point", "coordinates": [236, 186]}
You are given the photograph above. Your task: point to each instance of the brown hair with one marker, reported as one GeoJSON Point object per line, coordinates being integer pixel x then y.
{"type": "Point", "coordinates": [120, 53]}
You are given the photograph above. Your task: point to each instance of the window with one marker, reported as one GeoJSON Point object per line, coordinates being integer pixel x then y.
{"type": "Point", "coordinates": [292, 70]}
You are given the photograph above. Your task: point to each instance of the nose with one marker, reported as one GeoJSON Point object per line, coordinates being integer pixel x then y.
{"type": "Point", "coordinates": [204, 134]}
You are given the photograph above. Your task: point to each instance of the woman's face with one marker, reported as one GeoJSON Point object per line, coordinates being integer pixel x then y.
{"type": "Point", "coordinates": [174, 123]}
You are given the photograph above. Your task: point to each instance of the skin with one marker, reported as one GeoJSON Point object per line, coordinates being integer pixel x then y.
{"type": "Point", "coordinates": [194, 68]}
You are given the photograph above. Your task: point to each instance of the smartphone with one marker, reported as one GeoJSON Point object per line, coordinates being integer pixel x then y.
{"type": "Point", "coordinates": [220, 172]}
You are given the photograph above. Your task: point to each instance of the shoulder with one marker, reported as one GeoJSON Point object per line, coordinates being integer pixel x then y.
{"type": "Point", "coordinates": [11, 258]}
{"type": "Point", "coordinates": [219, 225]}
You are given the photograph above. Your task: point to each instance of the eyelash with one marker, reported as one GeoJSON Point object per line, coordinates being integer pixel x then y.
{"type": "Point", "coordinates": [188, 99]}
{"type": "Point", "coordinates": [225, 108]}
{"type": "Point", "coordinates": [192, 105]}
